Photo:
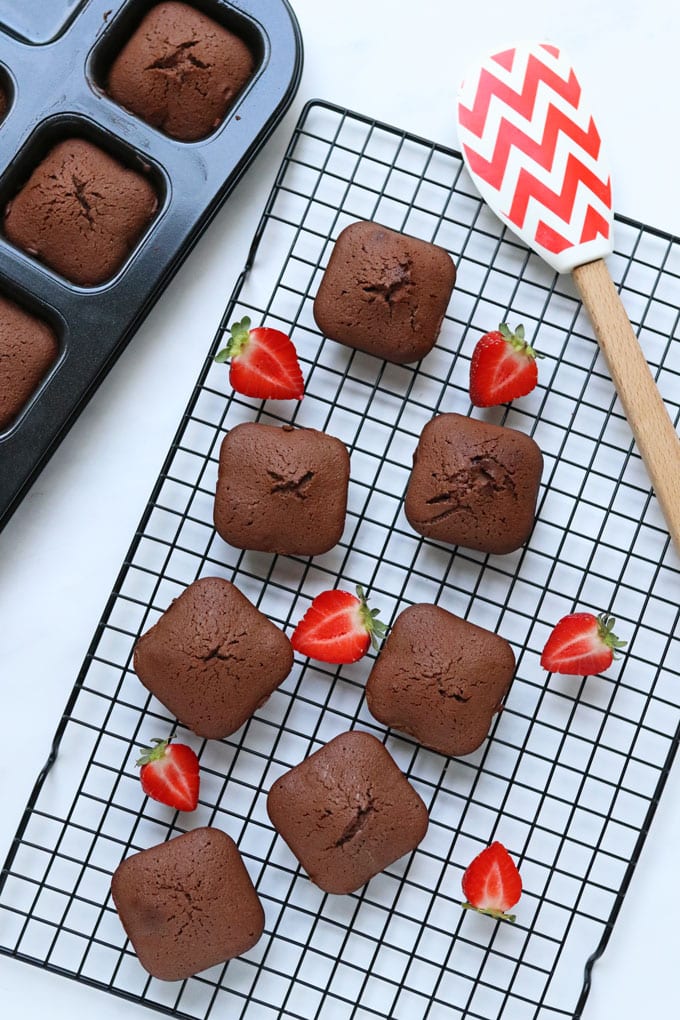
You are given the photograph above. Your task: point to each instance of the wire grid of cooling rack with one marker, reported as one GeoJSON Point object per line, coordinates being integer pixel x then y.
{"type": "Point", "coordinates": [572, 769]}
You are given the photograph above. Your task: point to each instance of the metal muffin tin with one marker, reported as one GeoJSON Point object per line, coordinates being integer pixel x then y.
{"type": "Point", "coordinates": [54, 57]}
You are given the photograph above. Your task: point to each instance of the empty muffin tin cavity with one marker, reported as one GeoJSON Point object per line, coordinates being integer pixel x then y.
{"type": "Point", "coordinates": [183, 82]}
{"type": "Point", "coordinates": [97, 189]}
{"type": "Point", "coordinates": [38, 21]}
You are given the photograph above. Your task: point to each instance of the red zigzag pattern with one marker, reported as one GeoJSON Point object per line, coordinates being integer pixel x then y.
{"type": "Point", "coordinates": [523, 102]}
{"type": "Point", "coordinates": [541, 153]}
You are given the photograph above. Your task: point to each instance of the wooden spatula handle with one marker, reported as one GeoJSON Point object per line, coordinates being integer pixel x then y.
{"type": "Point", "coordinates": [646, 412]}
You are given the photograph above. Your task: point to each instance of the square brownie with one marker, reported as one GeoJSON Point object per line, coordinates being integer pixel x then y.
{"type": "Point", "coordinates": [213, 658]}
{"type": "Point", "coordinates": [474, 484]}
{"type": "Point", "coordinates": [28, 349]}
{"type": "Point", "coordinates": [384, 292]}
{"type": "Point", "coordinates": [81, 212]}
{"type": "Point", "coordinates": [347, 812]}
{"type": "Point", "coordinates": [440, 679]}
{"type": "Point", "coordinates": [180, 71]}
{"type": "Point", "coordinates": [281, 489]}
{"type": "Point", "coordinates": [187, 904]}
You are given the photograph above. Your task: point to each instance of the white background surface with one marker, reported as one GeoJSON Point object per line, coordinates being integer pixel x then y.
{"type": "Point", "coordinates": [60, 553]}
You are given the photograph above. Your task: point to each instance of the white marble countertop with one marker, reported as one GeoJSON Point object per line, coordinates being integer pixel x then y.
{"type": "Point", "coordinates": [61, 551]}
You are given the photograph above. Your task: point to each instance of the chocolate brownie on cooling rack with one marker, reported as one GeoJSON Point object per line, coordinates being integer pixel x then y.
{"type": "Point", "coordinates": [384, 292]}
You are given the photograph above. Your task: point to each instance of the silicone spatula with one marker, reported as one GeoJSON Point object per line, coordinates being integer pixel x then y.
{"type": "Point", "coordinates": [535, 155]}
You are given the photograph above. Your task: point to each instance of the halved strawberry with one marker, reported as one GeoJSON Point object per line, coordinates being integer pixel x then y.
{"type": "Point", "coordinates": [264, 363]}
{"type": "Point", "coordinates": [492, 883]}
{"type": "Point", "coordinates": [170, 774]}
{"type": "Point", "coordinates": [338, 627]}
{"type": "Point", "coordinates": [581, 644]}
{"type": "Point", "coordinates": [503, 367]}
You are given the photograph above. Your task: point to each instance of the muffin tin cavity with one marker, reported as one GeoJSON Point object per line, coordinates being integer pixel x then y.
{"type": "Point", "coordinates": [29, 348]}
{"type": "Point", "coordinates": [82, 210]}
{"type": "Point", "coordinates": [37, 21]}
{"type": "Point", "coordinates": [181, 68]}
{"type": "Point", "coordinates": [99, 202]}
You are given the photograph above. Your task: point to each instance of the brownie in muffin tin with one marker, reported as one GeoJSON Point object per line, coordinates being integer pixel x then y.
{"type": "Point", "coordinates": [440, 679]}
{"type": "Point", "coordinates": [81, 212]}
{"type": "Point", "coordinates": [28, 349]}
{"type": "Point", "coordinates": [180, 71]}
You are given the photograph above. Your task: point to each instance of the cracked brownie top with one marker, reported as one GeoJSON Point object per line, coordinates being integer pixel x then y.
{"type": "Point", "coordinates": [384, 292]}
{"type": "Point", "coordinates": [81, 212]}
{"type": "Point", "coordinates": [347, 812]}
{"type": "Point", "coordinates": [187, 904]}
{"type": "Point", "coordinates": [440, 678]}
{"type": "Point", "coordinates": [180, 71]}
{"type": "Point", "coordinates": [281, 489]}
{"type": "Point", "coordinates": [213, 658]}
{"type": "Point", "coordinates": [474, 484]}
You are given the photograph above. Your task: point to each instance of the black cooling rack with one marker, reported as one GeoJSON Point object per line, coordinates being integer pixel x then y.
{"type": "Point", "coordinates": [572, 770]}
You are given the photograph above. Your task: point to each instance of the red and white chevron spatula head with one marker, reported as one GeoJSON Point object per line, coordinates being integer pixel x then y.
{"type": "Point", "coordinates": [534, 153]}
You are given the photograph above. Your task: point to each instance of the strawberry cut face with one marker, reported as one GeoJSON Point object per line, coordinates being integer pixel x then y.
{"type": "Point", "coordinates": [264, 363]}
{"type": "Point", "coordinates": [337, 628]}
{"type": "Point", "coordinates": [170, 774]}
{"type": "Point", "coordinates": [492, 883]}
{"type": "Point", "coordinates": [503, 367]}
{"type": "Point", "coordinates": [581, 644]}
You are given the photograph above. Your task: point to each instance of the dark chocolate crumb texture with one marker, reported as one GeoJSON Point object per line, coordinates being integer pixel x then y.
{"type": "Point", "coordinates": [474, 484]}
{"type": "Point", "coordinates": [440, 679]}
{"type": "Point", "coordinates": [347, 812]}
{"type": "Point", "coordinates": [187, 904]}
{"type": "Point", "coordinates": [213, 658]}
{"type": "Point", "coordinates": [81, 212]}
{"type": "Point", "coordinates": [180, 71]}
{"type": "Point", "coordinates": [384, 292]}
